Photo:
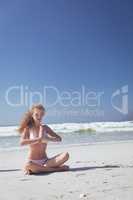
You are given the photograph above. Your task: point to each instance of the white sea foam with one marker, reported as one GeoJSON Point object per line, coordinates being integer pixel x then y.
{"type": "Point", "coordinates": [8, 131]}
{"type": "Point", "coordinates": [99, 127]}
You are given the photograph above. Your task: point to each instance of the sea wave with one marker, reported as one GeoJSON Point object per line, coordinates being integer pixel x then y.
{"type": "Point", "coordinates": [93, 127]}
{"type": "Point", "coordinates": [77, 128]}
{"type": "Point", "coordinates": [6, 131]}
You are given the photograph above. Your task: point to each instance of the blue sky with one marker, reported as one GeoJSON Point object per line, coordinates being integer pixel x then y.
{"type": "Point", "coordinates": [66, 44]}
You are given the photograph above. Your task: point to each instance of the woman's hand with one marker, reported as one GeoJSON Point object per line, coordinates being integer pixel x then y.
{"type": "Point", "coordinates": [42, 138]}
{"type": "Point", "coordinates": [50, 136]}
{"type": "Point", "coordinates": [58, 139]}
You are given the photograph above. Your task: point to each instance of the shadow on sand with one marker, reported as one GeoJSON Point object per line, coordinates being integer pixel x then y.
{"type": "Point", "coordinates": [74, 169]}
{"type": "Point", "coordinates": [9, 170]}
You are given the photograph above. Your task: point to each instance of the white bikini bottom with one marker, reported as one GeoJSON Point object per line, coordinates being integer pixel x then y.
{"type": "Point", "coordinates": [39, 162]}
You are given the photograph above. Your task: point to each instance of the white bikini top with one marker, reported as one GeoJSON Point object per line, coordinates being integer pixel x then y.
{"type": "Point", "coordinates": [33, 135]}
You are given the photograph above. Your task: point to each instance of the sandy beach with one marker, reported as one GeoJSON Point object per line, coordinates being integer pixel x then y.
{"type": "Point", "coordinates": [97, 171]}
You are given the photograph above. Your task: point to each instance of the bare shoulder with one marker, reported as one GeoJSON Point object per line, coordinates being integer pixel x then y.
{"type": "Point", "coordinates": [26, 130]}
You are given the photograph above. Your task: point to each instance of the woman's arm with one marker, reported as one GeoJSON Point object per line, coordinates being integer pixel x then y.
{"type": "Point", "coordinates": [52, 136]}
{"type": "Point", "coordinates": [24, 140]}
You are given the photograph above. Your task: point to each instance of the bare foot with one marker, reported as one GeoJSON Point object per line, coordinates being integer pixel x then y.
{"type": "Point", "coordinates": [27, 170]}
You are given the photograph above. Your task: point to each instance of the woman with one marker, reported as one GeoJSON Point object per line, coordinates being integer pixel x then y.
{"type": "Point", "coordinates": [37, 135]}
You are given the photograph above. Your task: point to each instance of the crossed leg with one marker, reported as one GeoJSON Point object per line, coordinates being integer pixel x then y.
{"type": "Point", "coordinates": [57, 160]}
{"type": "Point", "coordinates": [54, 164]}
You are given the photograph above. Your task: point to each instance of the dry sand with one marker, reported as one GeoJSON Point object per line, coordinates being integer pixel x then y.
{"type": "Point", "coordinates": [98, 171]}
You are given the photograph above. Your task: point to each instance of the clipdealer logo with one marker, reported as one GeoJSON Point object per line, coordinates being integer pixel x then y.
{"type": "Point", "coordinates": [24, 96]}
{"type": "Point", "coordinates": [16, 96]}
{"type": "Point", "coordinates": [122, 96]}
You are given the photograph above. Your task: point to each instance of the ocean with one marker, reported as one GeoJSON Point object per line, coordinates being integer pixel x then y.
{"type": "Point", "coordinates": [74, 133]}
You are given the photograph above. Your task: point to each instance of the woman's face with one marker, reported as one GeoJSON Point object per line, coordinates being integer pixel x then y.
{"type": "Point", "coordinates": [37, 115]}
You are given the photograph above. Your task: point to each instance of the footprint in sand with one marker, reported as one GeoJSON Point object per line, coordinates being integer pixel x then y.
{"type": "Point", "coordinates": [71, 192]}
{"type": "Point", "coordinates": [82, 161]}
{"type": "Point", "coordinates": [83, 195]}
{"type": "Point", "coordinates": [24, 179]}
{"type": "Point", "coordinates": [105, 182]}
{"type": "Point", "coordinates": [77, 175]}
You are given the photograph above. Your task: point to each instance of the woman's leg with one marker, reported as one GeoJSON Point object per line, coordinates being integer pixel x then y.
{"type": "Point", "coordinates": [35, 168]}
{"type": "Point", "coordinates": [57, 160]}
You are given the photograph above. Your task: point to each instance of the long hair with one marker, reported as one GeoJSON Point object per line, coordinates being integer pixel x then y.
{"type": "Point", "coordinates": [27, 120]}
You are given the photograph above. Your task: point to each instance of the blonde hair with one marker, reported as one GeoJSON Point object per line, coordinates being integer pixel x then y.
{"type": "Point", "coordinates": [27, 120]}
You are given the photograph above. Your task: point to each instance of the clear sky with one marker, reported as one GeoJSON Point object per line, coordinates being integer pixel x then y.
{"type": "Point", "coordinates": [66, 44]}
